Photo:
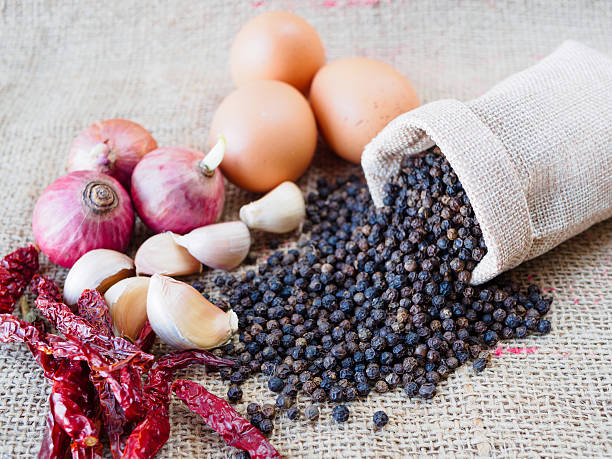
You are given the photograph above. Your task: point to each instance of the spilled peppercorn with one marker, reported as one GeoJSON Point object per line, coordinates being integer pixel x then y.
{"type": "Point", "coordinates": [375, 299]}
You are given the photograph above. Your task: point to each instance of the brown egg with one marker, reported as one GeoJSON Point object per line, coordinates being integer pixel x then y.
{"type": "Point", "coordinates": [277, 45]}
{"type": "Point", "coordinates": [270, 131]}
{"type": "Point", "coordinates": [354, 98]}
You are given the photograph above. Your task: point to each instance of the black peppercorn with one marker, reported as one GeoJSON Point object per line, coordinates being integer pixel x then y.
{"type": "Point", "coordinates": [363, 388]}
{"type": "Point", "coordinates": [293, 413]}
{"type": "Point", "coordinates": [544, 326]}
{"type": "Point", "coordinates": [266, 426]}
{"type": "Point", "coordinates": [256, 420]}
{"type": "Point", "coordinates": [268, 411]}
{"type": "Point", "coordinates": [427, 390]}
{"type": "Point", "coordinates": [380, 419]}
{"type": "Point", "coordinates": [319, 395]}
{"type": "Point", "coordinates": [336, 394]}
{"type": "Point", "coordinates": [479, 365]}
{"type": "Point", "coordinates": [340, 413]}
{"type": "Point", "coordinates": [284, 401]}
{"type": "Point", "coordinates": [381, 386]}
{"type": "Point", "coordinates": [311, 412]}
{"type": "Point", "coordinates": [411, 389]}
{"type": "Point", "coordinates": [234, 393]}
{"type": "Point", "coordinates": [253, 408]}
{"type": "Point", "coordinates": [276, 384]}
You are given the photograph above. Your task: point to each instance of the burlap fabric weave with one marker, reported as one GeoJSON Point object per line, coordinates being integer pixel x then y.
{"type": "Point", "coordinates": [534, 154]}
{"type": "Point", "coordinates": [66, 64]}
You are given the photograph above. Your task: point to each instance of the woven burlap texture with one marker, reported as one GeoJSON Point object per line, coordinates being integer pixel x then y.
{"type": "Point", "coordinates": [533, 154]}
{"type": "Point", "coordinates": [66, 64]}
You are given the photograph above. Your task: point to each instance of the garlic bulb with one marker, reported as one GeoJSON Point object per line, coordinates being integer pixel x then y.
{"type": "Point", "coordinates": [219, 246]}
{"type": "Point", "coordinates": [160, 254]}
{"type": "Point", "coordinates": [97, 269]}
{"type": "Point", "coordinates": [184, 319]}
{"type": "Point", "coordinates": [279, 211]}
{"type": "Point", "coordinates": [127, 303]}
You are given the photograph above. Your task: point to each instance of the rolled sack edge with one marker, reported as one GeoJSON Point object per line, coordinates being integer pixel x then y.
{"type": "Point", "coordinates": [471, 148]}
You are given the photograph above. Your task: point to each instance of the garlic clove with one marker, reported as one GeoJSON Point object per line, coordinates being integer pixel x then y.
{"type": "Point", "coordinates": [127, 303]}
{"type": "Point", "coordinates": [184, 319]}
{"type": "Point", "coordinates": [97, 269]}
{"type": "Point", "coordinates": [161, 255]}
{"type": "Point", "coordinates": [279, 211]}
{"type": "Point", "coordinates": [218, 246]}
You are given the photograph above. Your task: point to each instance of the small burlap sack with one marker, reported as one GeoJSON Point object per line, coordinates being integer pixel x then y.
{"type": "Point", "coordinates": [534, 154]}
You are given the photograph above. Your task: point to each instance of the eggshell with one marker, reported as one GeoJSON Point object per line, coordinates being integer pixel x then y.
{"type": "Point", "coordinates": [270, 131]}
{"type": "Point", "coordinates": [354, 98]}
{"type": "Point", "coordinates": [277, 45]}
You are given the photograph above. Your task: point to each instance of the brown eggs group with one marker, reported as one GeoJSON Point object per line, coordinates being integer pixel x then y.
{"type": "Point", "coordinates": [270, 127]}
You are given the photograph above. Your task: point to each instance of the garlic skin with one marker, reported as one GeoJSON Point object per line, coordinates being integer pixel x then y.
{"type": "Point", "coordinates": [219, 246]}
{"type": "Point", "coordinates": [184, 319]}
{"type": "Point", "coordinates": [279, 211]}
{"type": "Point", "coordinates": [97, 269]}
{"type": "Point", "coordinates": [127, 303]}
{"type": "Point", "coordinates": [161, 255]}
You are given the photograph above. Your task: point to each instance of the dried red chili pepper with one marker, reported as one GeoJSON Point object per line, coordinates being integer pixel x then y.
{"type": "Point", "coordinates": [16, 272]}
{"type": "Point", "coordinates": [146, 338]}
{"type": "Point", "coordinates": [55, 442]}
{"type": "Point", "coordinates": [112, 414]}
{"type": "Point", "coordinates": [42, 285]}
{"type": "Point", "coordinates": [73, 327]}
{"type": "Point", "coordinates": [160, 375]}
{"type": "Point", "coordinates": [111, 357]}
{"type": "Point", "coordinates": [86, 452]}
{"type": "Point", "coordinates": [218, 414]}
{"type": "Point", "coordinates": [93, 308]}
{"type": "Point", "coordinates": [127, 385]}
{"type": "Point", "coordinates": [72, 400]}
{"type": "Point", "coordinates": [14, 330]}
{"type": "Point", "coordinates": [74, 403]}
{"type": "Point", "coordinates": [153, 431]}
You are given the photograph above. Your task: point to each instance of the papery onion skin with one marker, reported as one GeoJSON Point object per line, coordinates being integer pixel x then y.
{"type": "Point", "coordinates": [112, 146]}
{"type": "Point", "coordinates": [65, 227]}
{"type": "Point", "coordinates": [171, 192]}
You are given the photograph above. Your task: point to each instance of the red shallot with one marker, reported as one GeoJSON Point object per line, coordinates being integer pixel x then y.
{"type": "Point", "coordinates": [179, 189]}
{"type": "Point", "coordinates": [79, 212]}
{"type": "Point", "coordinates": [111, 146]}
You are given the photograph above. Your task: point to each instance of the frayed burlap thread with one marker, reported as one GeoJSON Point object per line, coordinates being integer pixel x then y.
{"type": "Point", "coordinates": [534, 154]}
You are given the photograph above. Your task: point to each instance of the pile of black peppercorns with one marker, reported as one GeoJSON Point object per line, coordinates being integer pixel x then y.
{"type": "Point", "coordinates": [374, 298]}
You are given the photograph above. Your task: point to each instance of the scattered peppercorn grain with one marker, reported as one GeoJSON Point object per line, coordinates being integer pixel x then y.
{"type": "Point", "coordinates": [479, 365]}
{"type": "Point", "coordinates": [340, 413]}
{"type": "Point", "coordinates": [311, 412]}
{"type": "Point", "coordinates": [293, 413]}
{"type": "Point", "coordinates": [380, 419]}
{"type": "Point", "coordinates": [266, 426]}
{"type": "Point", "coordinates": [234, 394]}
{"type": "Point", "coordinates": [268, 411]}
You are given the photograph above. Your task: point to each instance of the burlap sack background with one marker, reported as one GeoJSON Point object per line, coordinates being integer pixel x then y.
{"type": "Point", "coordinates": [66, 64]}
{"type": "Point", "coordinates": [533, 154]}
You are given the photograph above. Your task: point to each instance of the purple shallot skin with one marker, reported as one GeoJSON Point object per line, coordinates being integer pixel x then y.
{"type": "Point", "coordinates": [172, 192]}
